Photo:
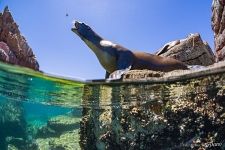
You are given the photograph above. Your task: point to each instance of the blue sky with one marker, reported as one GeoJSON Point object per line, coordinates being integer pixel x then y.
{"type": "Point", "coordinates": [138, 25]}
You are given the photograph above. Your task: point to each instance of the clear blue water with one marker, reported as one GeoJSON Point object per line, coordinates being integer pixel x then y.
{"type": "Point", "coordinates": [35, 107]}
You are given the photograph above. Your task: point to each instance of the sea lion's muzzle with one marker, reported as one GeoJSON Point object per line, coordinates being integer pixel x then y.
{"type": "Point", "coordinates": [83, 30]}
{"type": "Point", "coordinates": [80, 25]}
{"type": "Point", "coordinates": [76, 25]}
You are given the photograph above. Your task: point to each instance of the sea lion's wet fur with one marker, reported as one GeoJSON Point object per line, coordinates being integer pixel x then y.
{"type": "Point", "coordinates": [115, 57]}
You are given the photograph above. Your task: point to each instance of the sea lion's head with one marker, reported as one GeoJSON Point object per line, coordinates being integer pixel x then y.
{"type": "Point", "coordinates": [84, 31]}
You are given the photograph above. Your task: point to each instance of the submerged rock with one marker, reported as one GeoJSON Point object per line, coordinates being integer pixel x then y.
{"type": "Point", "coordinates": [57, 125]}
{"type": "Point", "coordinates": [191, 50]}
{"type": "Point", "coordinates": [218, 26]}
{"type": "Point", "coordinates": [20, 144]}
{"type": "Point", "coordinates": [61, 132]}
{"type": "Point", "coordinates": [14, 48]}
{"type": "Point", "coordinates": [63, 123]}
{"type": "Point", "coordinates": [12, 122]}
{"type": "Point", "coordinates": [184, 110]}
{"type": "Point", "coordinates": [66, 141]}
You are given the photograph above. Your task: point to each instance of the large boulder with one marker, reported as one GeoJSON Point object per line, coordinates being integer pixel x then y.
{"type": "Point", "coordinates": [218, 26]}
{"type": "Point", "coordinates": [191, 50]}
{"type": "Point", "coordinates": [14, 48]}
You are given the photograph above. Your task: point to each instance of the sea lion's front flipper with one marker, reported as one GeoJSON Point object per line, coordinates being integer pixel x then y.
{"type": "Point", "coordinates": [116, 75]}
{"type": "Point", "coordinates": [124, 64]}
{"type": "Point", "coordinates": [107, 75]}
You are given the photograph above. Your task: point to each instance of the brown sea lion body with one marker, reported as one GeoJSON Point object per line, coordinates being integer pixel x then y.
{"type": "Point", "coordinates": [116, 59]}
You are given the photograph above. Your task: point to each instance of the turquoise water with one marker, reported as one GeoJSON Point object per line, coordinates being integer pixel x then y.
{"type": "Point", "coordinates": [43, 112]}
{"type": "Point", "coordinates": [37, 110]}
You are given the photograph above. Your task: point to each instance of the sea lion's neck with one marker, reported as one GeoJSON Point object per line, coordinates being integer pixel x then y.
{"type": "Point", "coordinates": [98, 45]}
{"type": "Point", "coordinates": [93, 42]}
{"type": "Point", "coordinates": [105, 57]}
{"type": "Point", "coordinates": [94, 46]}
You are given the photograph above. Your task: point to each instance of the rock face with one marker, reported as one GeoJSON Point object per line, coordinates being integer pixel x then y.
{"type": "Point", "coordinates": [192, 51]}
{"type": "Point", "coordinates": [218, 26]}
{"type": "Point", "coordinates": [13, 46]}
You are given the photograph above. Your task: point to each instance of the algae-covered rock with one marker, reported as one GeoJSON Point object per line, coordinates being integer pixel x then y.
{"type": "Point", "coordinates": [63, 123]}
{"type": "Point", "coordinates": [66, 141]}
{"type": "Point", "coordinates": [61, 132]}
{"type": "Point", "coordinates": [177, 111]}
{"type": "Point", "coordinates": [57, 125]}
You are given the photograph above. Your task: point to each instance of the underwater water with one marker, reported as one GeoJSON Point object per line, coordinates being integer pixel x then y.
{"type": "Point", "coordinates": [38, 111]}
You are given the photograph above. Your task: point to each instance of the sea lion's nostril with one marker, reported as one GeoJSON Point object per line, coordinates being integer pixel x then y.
{"type": "Point", "coordinates": [76, 24]}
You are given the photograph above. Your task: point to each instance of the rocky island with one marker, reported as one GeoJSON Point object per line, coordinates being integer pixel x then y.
{"type": "Point", "coordinates": [14, 48]}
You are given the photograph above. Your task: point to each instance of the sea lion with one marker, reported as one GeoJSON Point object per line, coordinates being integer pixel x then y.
{"type": "Point", "coordinates": [116, 59]}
